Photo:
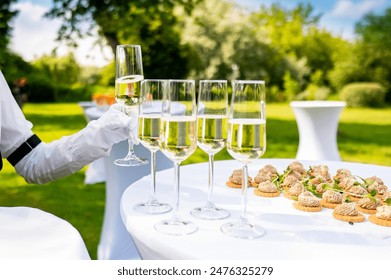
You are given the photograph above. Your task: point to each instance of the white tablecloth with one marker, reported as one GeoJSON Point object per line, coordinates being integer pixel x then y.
{"type": "Point", "coordinates": [115, 242]}
{"type": "Point", "coordinates": [291, 234]}
{"type": "Point", "coordinates": [84, 105]}
{"type": "Point", "coordinates": [29, 233]}
{"type": "Point", "coordinates": [95, 172]}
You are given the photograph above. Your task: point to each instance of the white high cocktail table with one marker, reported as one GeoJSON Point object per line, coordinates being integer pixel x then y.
{"type": "Point", "coordinates": [318, 123]}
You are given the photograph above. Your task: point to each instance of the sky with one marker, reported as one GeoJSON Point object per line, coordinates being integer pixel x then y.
{"type": "Point", "coordinates": [34, 36]}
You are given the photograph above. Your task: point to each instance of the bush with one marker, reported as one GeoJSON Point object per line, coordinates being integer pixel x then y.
{"type": "Point", "coordinates": [40, 89]}
{"type": "Point", "coordinates": [65, 93]}
{"type": "Point", "coordinates": [314, 92]}
{"type": "Point", "coordinates": [274, 94]}
{"type": "Point", "coordinates": [363, 95]}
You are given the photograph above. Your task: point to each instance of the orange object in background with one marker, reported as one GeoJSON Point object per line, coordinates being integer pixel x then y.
{"type": "Point", "coordinates": [103, 100]}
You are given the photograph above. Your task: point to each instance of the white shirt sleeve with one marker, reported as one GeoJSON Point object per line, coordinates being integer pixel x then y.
{"type": "Point", "coordinates": [62, 157]}
{"type": "Point", "coordinates": [15, 129]}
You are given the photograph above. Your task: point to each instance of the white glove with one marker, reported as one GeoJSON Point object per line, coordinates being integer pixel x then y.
{"type": "Point", "coordinates": [132, 112]}
{"type": "Point", "coordinates": [67, 155]}
{"type": "Point", "coordinates": [117, 124]}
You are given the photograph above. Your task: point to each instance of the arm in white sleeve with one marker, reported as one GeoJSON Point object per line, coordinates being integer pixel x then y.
{"type": "Point", "coordinates": [62, 157]}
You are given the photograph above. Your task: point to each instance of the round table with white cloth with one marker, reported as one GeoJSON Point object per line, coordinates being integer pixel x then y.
{"type": "Point", "coordinates": [291, 234]}
{"type": "Point", "coordinates": [30, 233]}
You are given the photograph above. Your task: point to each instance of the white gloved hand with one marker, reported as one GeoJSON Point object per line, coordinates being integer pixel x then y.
{"type": "Point", "coordinates": [62, 157]}
{"type": "Point", "coordinates": [132, 112]}
{"type": "Point", "coordinates": [116, 125]}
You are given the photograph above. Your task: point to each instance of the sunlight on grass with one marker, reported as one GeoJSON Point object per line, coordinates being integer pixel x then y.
{"type": "Point", "coordinates": [55, 109]}
{"type": "Point", "coordinates": [52, 121]}
{"type": "Point", "coordinates": [381, 116]}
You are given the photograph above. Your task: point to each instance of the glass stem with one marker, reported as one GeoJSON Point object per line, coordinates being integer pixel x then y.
{"type": "Point", "coordinates": [209, 203]}
{"type": "Point", "coordinates": [243, 214]}
{"type": "Point", "coordinates": [176, 191]}
{"type": "Point", "coordinates": [152, 197]}
{"type": "Point", "coordinates": [131, 149]}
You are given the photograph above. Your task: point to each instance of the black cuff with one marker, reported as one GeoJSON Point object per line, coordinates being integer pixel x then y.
{"type": "Point", "coordinates": [24, 149]}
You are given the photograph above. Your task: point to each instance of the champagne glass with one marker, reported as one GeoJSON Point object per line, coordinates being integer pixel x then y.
{"type": "Point", "coordinates": [129, 74]}
{"type": "Point", "coordinates": [211, 137]}
{"type": "Point", "coordinates": [246, 142]}
{"type": "Point", "coordinates": [178, 140]}
{"type": "Point", "coordinates": [150, 112]}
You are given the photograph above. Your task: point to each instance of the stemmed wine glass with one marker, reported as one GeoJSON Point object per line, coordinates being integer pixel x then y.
{"type": "Point", "coordinates": [129, 74]}
{"type": "Point", "coordinates": [246, 142]}
{"type": "Point", "coordinates": [211, 137]}
{"type": "Point", "coordinates": [150, 112]}
{"type": "Point", "coordinates": [178, 140]}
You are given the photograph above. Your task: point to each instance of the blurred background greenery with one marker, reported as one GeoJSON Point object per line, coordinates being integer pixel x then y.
{"type": "Point", "coordinates": [214, 39]}
{"type": "Point", "coordinates": [201, 39]}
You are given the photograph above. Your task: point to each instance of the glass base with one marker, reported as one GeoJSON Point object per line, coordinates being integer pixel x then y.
{"type": "Point", "coordinates": [208, 213]}
{"type": "Point", "coordinates": [243, 229]}
{"type": "Point", "coordinates": [152, 208]}
{"type": "Point", "coordinates": [133, 161]}
{"type": "Point", "coordinates": [176, 227]}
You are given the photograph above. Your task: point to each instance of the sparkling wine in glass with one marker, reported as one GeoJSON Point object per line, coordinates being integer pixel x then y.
{"type": "Point", "coordinates": [150, 113]}
{"type": "Point", "coordinates": [178, 140]}
{"type": "Point", "coordinates": [212, 128]}
{"type": "Point", "coordinates": [129, 74]}
{"type": "Point", "coordinates": [246, 142]}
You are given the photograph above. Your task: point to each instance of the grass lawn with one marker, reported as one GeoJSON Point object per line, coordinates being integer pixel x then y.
{"type": "Point", "coordinates": [364, 135]}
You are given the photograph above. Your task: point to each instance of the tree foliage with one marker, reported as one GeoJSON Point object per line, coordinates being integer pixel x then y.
{"type": "Point", "coordinates": [367, 59]}
{"type": "Point", "coordinates": [285, 28]}
{"type": "Point", "coordinates": [6, 16]}
{"type": "Point", "coordinates": [217, 39]}
{"type": "Point", "coordinates": [376, 29]}
{"type": "Point", "coordinates": [60, 70]}
{"type": "Point", "coordinates": [303, 47]}
{"type": "Point", "coordinates": [150, 23]}
{"type": "Point", "coordinates": [211, 32]}
{"type": "Point", "coordinates": [275, 44]}
{"type": "Point", "coordinates": [375, 33]}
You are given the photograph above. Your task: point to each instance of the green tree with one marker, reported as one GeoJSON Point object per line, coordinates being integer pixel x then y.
{"type": "Point", "coordinates": [376, 29]}
{"type": "Point", "coordinates": [347, 66]}
{"type": "Point", "coordinates": [374, 32]}
{"type": "Point", "coordinates": [55, 79]}
{"type": "Point", "coordinates": [318, 48]}
{"type": "Point", "coordinates": [60, 70]}
{"type": "Point", "coordinates": [285, 28]}
{"type": "Point", "coordinates": [367, 59]}
{"type": "Point", "coordinates": [226, 45]}
{"type": "Point", "coordinates": [211, 31]}
{"type": "Point", "coordinates": [295, 35]}
{"type": "Point", "coordinates": [150, 23]}
{"type": "Point", "coordinates": [6, 16]}
{"type": "Point", "coordinates": [291, 86]}
{"type": "Point", "coordinates": [12, 65]}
